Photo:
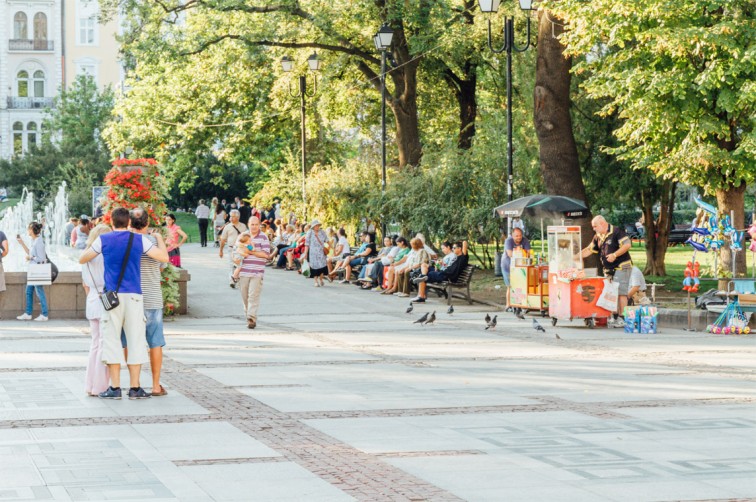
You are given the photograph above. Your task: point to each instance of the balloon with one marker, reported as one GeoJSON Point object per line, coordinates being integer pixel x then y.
{"type": "Point", "coordinates": [701, 231]}
{"type": "Point", "coordinates": [697, 246]}
{"type": "Point", "coordinates": [705, 206]}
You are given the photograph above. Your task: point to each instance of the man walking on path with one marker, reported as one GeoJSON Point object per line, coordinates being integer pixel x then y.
{"type": "Point", "coordinates": [203, 217]}
{"type": "Point", "coordinates": [231, 232]}
{"type": "Point", "coordinates": [3, 254]}
{"type": "Point", "coordinates": [122, 250]}
{"type": "Point", "coordinates": [253, 270]}
{"type": "Point", "coordinates": [153, 299]}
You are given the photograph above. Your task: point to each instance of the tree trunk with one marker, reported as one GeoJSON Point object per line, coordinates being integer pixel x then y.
{"type": "Point", "coordinates": [729, 200]}
{"type": "Point", "coordinates": [657, 230]}
{"type": "Point", "coordinates": [468, 110]}
{"type": "Point", "coordinates": [560, 165]}
{"type": "Point", "coordinates": [403, 102]}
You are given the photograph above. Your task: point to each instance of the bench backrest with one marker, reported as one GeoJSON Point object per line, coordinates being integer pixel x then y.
{"type": "Point", "coordinates": [466, 275]}
{"type": "Point", "coordinates": [744, 286]}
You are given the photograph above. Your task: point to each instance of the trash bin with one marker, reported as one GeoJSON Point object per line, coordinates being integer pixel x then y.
{"type": "Point", "coordinates": [497, 264]}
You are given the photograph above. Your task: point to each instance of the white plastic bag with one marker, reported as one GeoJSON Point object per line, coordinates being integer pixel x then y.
{"type": "Point", "coordinates": [608, 298]}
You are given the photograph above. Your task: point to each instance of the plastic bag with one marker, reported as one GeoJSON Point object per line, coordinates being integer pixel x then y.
{"type": "Point", "coordinates": [306, 268]}
{"type": "Point", "coordinates": [608, 298]}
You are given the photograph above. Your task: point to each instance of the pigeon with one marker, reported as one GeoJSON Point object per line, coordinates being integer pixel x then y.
{"type": "Point", "coordinates": [538, 327]}
{"type": "Point", "coordinates": [432, 318]}
{"type": "Point", "coordinates": [520, 315]}
{"type": "Point", "coordinates": [487, 319]}
{"type": "Point", "coordinates": [422, 319]}
{"type": "Point", "coordinates": [492, 324]}
{"type": "Point", "coordinates": [451, 310]}
{"type": "Point", "coordinates": [557, 336]}
{"type": "Point", "coordinates": [409, 309]}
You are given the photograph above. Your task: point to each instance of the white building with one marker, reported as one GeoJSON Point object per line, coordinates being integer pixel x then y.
{"type": "Point", "coordinates": [44, 44]}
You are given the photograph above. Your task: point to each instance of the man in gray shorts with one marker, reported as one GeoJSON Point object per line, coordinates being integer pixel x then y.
{"type": "Point", "coordinates": [612, 245]}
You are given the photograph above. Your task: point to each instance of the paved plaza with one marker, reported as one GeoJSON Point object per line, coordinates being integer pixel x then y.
{"type": "Point", "coordinates": [337, 395]}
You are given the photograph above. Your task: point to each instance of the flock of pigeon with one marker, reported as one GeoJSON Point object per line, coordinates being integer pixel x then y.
{"type": "Point", "coordinates": [430, 318]}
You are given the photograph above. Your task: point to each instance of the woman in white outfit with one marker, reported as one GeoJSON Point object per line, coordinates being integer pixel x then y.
{"type": "Point", "coordinates": [93, 277]}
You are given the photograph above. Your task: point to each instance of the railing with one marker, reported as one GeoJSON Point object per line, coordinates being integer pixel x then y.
{"type": "Point", "coordinates": [14, 102]}
{"type": "Point", "coordinates": [21, 44]}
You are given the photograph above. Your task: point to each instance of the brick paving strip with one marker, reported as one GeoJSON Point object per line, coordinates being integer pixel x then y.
{"type": "Point", "coordinates": [358, 474]}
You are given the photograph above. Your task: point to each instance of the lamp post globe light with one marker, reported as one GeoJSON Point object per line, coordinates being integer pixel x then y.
{"type": "Point", "coordinates": [491, 7]}
{"type": "Point", "coordinates": [382, 41]}
{"type": "Point", "coordinates": [314, 64]}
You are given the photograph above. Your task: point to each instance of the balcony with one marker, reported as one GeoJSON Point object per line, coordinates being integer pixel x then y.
{"type": "Point", "coordinates": [20, 44]}
{"type": "Point", "coordinates": [27, 103]}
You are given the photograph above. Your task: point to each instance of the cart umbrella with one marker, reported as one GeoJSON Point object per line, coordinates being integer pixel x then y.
{"type": "Point", "coordinates": [543, 206]}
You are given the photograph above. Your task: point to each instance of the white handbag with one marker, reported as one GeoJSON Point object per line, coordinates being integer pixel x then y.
{"type": "Point", "coordinates": [39, 274]}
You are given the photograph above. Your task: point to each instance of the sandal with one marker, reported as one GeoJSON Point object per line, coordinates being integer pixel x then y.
{"type": "Point", "coordinates": [162, 392]}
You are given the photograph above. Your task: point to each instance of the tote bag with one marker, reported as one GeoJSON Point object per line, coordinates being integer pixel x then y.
{"type": "Point", "coordinates": [608, 298]}
{"type": "Point", "coordinates": [39, 274]}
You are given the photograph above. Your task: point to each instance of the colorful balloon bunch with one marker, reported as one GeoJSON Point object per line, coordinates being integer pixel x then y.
{"type": "Point", "coordinates": [691, 281]}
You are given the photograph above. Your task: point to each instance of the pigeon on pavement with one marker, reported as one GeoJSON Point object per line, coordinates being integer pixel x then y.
{"type": "Point", "coordinates": [520, 315]}
{"type": "Point", "coordinates": [422, 319]}
{"type": "Point", "coordinates": [451, 310]}
{"type": "Point", "coordinates": [431, 319]}
{"type": "Point", "coordinates": [409, 309]}
{"type": "Point", "coordinates": [492, 324]}
{"type": "Point", "coordinates": [487, 319]}
{"type": "Point", "coordinates": [538, 327]}
{"type": "Point", "coordinates": [557, 336]}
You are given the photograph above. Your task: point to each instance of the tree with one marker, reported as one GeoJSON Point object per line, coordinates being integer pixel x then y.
{"type": "Point", "coordinates": [682, 81]}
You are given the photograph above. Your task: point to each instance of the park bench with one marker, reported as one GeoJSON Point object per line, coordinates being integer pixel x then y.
{"type": "Point", "coordinates": [462, 283]}
{"type": "Point", "coordinates": [355, 268]}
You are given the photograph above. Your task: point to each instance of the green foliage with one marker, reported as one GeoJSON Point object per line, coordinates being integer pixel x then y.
{"type": "Point", "coordinates": [682, 79]}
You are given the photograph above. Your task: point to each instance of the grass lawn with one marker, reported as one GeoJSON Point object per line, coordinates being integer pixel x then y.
{"type": "Point", "coordinates": [188, 223]}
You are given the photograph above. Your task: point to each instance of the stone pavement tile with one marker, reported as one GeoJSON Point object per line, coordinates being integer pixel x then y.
{"type": "Point", "coordinates": [277, 481]}
{"type": "Point", "coordinates": [485, 478]}
{"type": "Point", "coordinates": [460, 349]}
{"type": "Point", "coordinates": [53, 345]}
{"type": "Point", "coordinates": [264, 354]}
{"type": "Point", "coordinates": [208, 440]}
{"type": "Point", "coordinates": [659, 490]}
{"type": "Point", "coordinates": [43, 360]}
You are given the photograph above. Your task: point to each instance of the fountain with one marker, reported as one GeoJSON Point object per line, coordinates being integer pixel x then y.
{"type": "Point", "coordinates": [16, 219]}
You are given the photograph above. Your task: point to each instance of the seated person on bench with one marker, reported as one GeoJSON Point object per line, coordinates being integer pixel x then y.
{"type": "Point", "coordinates": [450, 273]}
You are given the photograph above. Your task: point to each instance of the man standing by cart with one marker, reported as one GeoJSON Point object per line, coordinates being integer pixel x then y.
{"type": "Point", "coordinates": [612, 245]}
{"type": "Point", "coordinates": [516, 246]}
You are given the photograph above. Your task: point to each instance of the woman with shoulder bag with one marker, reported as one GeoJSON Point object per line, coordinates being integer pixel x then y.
{"type": "Point", "coordinates": [316, 244]}
{"type": "Point", "coordinates": [35, 254]}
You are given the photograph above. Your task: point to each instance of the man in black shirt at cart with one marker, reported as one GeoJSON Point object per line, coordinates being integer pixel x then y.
{"type": "Point", "coordinates": [612, 245]}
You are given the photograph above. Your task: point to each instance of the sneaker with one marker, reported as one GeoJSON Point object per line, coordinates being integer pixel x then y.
{"type": "Point", "coordinates": [111, 393]}
{"type": "Point", "coordinates": [417, 299]}
{"type": "Point", "coordinates": [41, 318]}
{"type": "Point", "coordinates": [403, 295]}
{"type": "Point", "coordinates": [24, 317]}
{"type": "Point", "coordinates": [251, 323]}
{"type": "Point", "coordinates": [419, 279]}
{"type": "Point", "coordinates": [138, 393]}
{"type": "Point", "coordinates": [344, 282]}
{"type": "Point", "coordinates": [377, 289]}
{"type": "Point", "coordinates": [617, 323]}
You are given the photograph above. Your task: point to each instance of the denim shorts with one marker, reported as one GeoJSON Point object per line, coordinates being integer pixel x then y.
{"type": "Point", "coordinates": [505, 276]}
{"type": "Point", "coordinates": [362, 260]}
{"type": "Point", "coordinates": [155, 336]}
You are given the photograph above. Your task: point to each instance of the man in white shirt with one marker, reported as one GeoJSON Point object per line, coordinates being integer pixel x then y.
{"type": "Point", "coordinates": [203, 217]}
{"type": "Point", "coordinates": [637, 288]}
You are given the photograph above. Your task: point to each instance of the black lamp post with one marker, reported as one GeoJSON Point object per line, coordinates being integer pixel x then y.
{"type": "Point", "coordinates": [287, 65]}
{"type": "Point", "coordinates": [492, 6]}
{"type": "Point", "coordinates": [382, 41]}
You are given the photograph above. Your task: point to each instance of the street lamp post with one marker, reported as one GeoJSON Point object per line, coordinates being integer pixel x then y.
{"type": "Point", "coordinates": [382, 41]}
{"type": "Point", "coordinates": [492, 6]}
{"type": "Point", "coordinates": [287, 65]}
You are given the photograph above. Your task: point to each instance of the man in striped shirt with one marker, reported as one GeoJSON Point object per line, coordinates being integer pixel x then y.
{"type": "Point", "coordinates": [152, 295]}
{"type": "Point", "coordinates": [255, 255]}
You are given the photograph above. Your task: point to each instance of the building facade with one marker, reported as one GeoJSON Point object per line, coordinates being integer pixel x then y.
{"type": "Point", "coordinates": [44, 44]}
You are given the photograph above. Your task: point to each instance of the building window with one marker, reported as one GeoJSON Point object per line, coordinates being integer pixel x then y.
{"type": "Point", "coordinates": [31, 135]}
{"type": "Point", "coordinates": [20, 31]}
{"type": "Point", "coordinates": [87, 31]}
{"type": "Point", "coordinates": [22, 80]}
{"type": "Point", "coordinates": [39, 84]}
{"type": "Point", "coordinates": [40, 26]}
{"type": "Point", "coordinates": [18, 138]}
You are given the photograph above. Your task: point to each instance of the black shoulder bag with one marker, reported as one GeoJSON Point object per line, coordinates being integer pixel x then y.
{"type": "Point", "coordinates": [109, 299]}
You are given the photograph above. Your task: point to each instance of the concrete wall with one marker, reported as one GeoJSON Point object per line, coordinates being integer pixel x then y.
{"type": "Point", "coordinates": [65, 298]}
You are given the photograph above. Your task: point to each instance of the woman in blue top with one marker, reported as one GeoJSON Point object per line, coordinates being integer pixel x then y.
{"type": "Point", "coordinates": [35, 254]}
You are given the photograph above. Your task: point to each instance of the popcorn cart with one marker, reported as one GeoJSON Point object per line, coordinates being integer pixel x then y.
{"type": "Point", "coordinates": [529, 284]}
{"type": "Point", "coordinates": [573, 291]}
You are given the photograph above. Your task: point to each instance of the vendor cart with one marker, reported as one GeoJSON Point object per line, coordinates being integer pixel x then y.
{"type": "Point", "coordinates": [529, 285]}
{"type": "Point", "coordinates": [573, 291]}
